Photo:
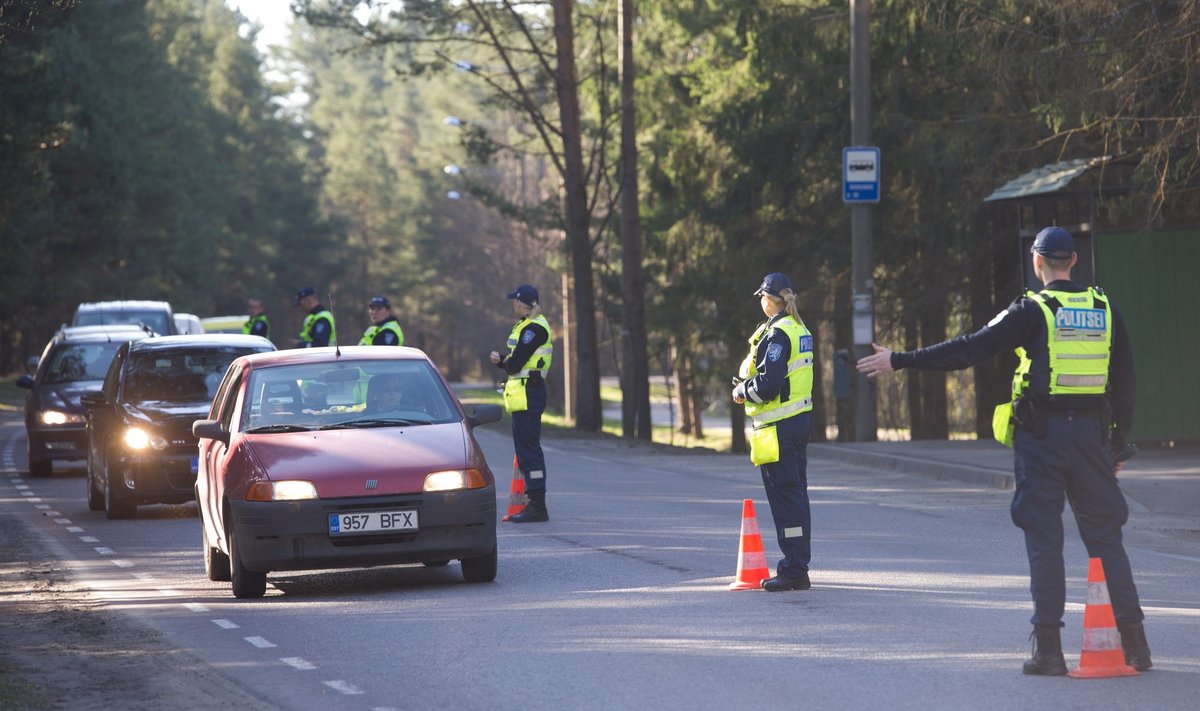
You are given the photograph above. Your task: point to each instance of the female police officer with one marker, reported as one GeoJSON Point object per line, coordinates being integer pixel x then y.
{"type": "Point", "coordinates": [776, 381]}
{"type": "Point", "coordinates": [527, 361]}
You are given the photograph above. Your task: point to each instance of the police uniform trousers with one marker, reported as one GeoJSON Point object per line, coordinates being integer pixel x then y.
{"type": "Point", "coordinates": [527, 438]}
{"type": "Point", "coordinates": [786, 484]}
{"type": "Point", "coordinates": [1071, 461]}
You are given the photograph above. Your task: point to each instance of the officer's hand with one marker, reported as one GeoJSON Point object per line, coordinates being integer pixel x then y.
{"type": "Point", "coordinates": [878, 363]}
{"type": "Point", "coordinates": [739, 393]}
{"type": "Point", "coordinates": [494, 357]}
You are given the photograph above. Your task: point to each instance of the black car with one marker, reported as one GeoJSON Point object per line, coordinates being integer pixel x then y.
{"type": "Point", "coordinates": [74, 362]}
{"type": "Point", "coordinates": [141, 449]}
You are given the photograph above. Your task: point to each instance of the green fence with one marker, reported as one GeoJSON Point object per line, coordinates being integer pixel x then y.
{"type": "Point", "coordinates": [1154, 279]}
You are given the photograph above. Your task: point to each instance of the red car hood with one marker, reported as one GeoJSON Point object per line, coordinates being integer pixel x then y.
{"type": "Point", "coordinates": [341, 463]}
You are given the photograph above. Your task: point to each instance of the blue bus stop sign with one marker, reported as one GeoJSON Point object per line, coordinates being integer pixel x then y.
{"type": "Point", "coordinates": [860, 174]}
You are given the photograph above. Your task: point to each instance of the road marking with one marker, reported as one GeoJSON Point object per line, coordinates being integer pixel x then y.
{"type": "Point", "coordinates": [22, 486]}
{"type": "Point", "coordinates": [123, 563]}
{"type": "Point", "coordinates": [168, 592]}
{"type": "Point", "coordinates": [74, 529]}
{"type": "Point", "coordinates": [63, 521]}
{"type": "Point", "coordinates": [104, 550]}
{"type": "Point", "coordinates": [298, 663]}
{"type": "Point", "coordinates": [26, 493]}
{"type": "Point", "coordinates": [260, 642]}
{"type": "Point", "coordinates": [342, 686]}
{"type": "Point", "coordinates": [41, 507]}
{"type": "Point", "coordinates": [33, 501]}
{"type": "Point", "coordinates": [195, 607]}
{"type": "Point", "coordinates": [144, 577]}
{"type": "Point", "coordinates": [52, 513]}
{"type": "Point", "coordinates": [89, 539]}
{"type": "Point", "coordinates": [226, 624]}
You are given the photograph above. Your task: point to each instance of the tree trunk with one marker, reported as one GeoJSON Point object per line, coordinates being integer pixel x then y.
{"type": "Point", "coordinates": [635, 401]}
{"type": "Point", "coordinates": [588, 415]}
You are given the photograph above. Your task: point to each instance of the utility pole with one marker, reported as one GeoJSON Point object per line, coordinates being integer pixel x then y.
{"type": "Point", "coordinates": [862, 281]}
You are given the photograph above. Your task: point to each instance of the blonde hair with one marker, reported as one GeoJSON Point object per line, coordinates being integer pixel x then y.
{"type": "Point", "coordinates": [534, 309]}
{"type": "Point", "coordinates": [788, 298]}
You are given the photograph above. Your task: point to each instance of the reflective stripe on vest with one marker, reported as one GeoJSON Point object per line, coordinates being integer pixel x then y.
{"type": "Point", "coordinates": [311, 320]}
{"type": "Point", "coordinates": [799, 374]}
{"type": "Point", "coordinates": [1079, 343]}
{"type": "Point", "coordinates": [540, 360]}
{"type": "Point", "coordinates": [369, 335]}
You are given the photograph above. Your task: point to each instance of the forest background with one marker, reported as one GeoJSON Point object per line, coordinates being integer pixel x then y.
{"type": "Point", "coordinates": [421, 150]}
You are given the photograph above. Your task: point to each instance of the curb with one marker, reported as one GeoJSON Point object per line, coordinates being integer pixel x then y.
{"type": "Point", "coordinates": [941, 471]}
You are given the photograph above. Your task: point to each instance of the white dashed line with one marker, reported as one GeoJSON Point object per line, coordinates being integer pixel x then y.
{"type": "Point", "coordinates": [343, 687]}
{"type": "Point", "coordinates": [260, 642]}
{"type": "Point", "coordinates": [33, 501]}
{"type": "Point", "coordinates": [226, 624]}
{"type": "Point", "coordinates": [144, 577]}
{"type": "Point", "coordinates": [51, 513]}
{"type": "Point", "coordinates": [22, 486]}
{"type": "Point", "coordinates": [104, 550]}
{"type": "Point", "coordinates": [62, 521]}
{"type": "Point", "coordinates": [89, 539]}
{"type": "Point", "coordinates": [298, 663]}
{"type": "Point", "coordinates": [195, 607]}
{"type": "Point", "coordinates": [123, 563]}
{"type": "Point", "coordinates": [74, 529]}
{"type": "Point", "coordinates": [27, 493]}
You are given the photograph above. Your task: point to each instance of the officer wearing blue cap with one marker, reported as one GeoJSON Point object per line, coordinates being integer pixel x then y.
{"type": "Point", "coordinates": [1072, 408]}
{"type": "Point", "coordinates": [528, 360]}
{"type": "Point", "coordinates": [318, 329]}
{"type": "Point", "coordinates": [775, 385]}
{"type": "Point", "coordinates": [385, 329]}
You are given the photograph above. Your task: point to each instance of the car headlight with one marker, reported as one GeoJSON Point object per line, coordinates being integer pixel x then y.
{"type": "Point", "coordinates": [288, 490]}
{"type": "Point", "coordinates": [58, 417]}
{"type": "Point", "coordinates": [136, 438]}
{"type": "Point", "coordinates": [455, 479]}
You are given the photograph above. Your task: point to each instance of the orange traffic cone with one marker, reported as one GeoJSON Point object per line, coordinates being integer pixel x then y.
{"type": "Point", "coordinates": [516, 493]}
{"type": "Point", "coordinates": [752, 562]}
{"type": "Point", "coordinates": [1102, 655]}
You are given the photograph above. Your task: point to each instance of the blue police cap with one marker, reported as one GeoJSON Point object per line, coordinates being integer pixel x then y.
{"type": "Point", "coordinates": [306, 291]}
{"type": "Point", "coordinates": [1054, 242]}
{"type": "Point", "coordinates": [526, 294]}
{"type": "Point", "coordinates": [774, 283]}
{"type": "Point", "coordinates": [379, 301]}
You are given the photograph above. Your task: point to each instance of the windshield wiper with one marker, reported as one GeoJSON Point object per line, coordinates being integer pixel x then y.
{"type": "Point", "coordinates": [375, 422]}
{"type": "Point", "coordinates": [278, 428]}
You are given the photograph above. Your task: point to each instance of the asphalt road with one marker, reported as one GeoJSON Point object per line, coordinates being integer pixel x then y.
{"type": "Point", "coordinates": [920, 598]}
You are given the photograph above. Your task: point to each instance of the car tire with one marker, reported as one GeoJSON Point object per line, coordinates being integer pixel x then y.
{"type": "Point", "coordinates": [216, 563]}
{"type": "Point", "coordinates": [95, 498]}
{"type": "Point", "coordinates": [481, 569]}
{"type": "Point", "coordinates": [116, 507]}
{"type": "Point", "coordinates": [245, 583]}
{"type": "Point", "coordinates": [41, 470]}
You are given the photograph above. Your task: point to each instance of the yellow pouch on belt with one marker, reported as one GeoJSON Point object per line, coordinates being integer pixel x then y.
{"type": "Point", "coordinates": [514, 396]}
{"type": "Point", "coordinates": [764, 445]}
{"type": "Point", "coordinates": [1003, 424]}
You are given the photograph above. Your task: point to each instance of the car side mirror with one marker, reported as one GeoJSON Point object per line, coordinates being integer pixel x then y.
{"type": "Point", "coordinates": [93, 400]}
{"type": "Point", "coordinates": [210, 429]}
{"type": "Point", "coordinates": [25, 381]}
{"type": "Point", "coordinates": [483, 414]}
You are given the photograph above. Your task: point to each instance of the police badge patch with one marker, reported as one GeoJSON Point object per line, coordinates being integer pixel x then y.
{"type": "Point", "coordinates": [527, 337]}
{"type": "Point", "coordinates": [774, 351]}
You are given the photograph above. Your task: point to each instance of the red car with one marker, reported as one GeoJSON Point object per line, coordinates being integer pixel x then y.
{"type": "Point", "coordinates": [337, 458]}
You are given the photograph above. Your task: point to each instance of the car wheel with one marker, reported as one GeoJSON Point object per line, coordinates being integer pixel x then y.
{"type": "Point", "coordinates": [436, 563]}
{"type": "Point", "coordinates": [216, 563]}
{"type": "Point", "coordinates": [114, 505]}
{"type": "Point", "coordinates": [41, 470]}
{"type": "Point", "coordinates": [246, 583]}
{"type": "Point", "coordinates": [481, 569]}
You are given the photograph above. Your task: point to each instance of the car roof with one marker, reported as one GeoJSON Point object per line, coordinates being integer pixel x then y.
{"type": "Point", "coordinates": [202, 340]}
{"type": "Point", "coordinates": [119, 305]}
{"type": "Point", "coordinates": [300, 356]}
{"type": "Point", "coordinates": [100, 334]}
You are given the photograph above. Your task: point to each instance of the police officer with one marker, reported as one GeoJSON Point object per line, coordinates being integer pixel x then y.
{"type": "Point", "coordinates": [775, 384]}
{"type": "Point", "coordinates": [385, 329]}
{"type": "Point", "coordinates": [526, 363]}
{"type": "Point", "coordinates": [318, 329]}
{"type": "Point", "coordinates": [1074, 393]}
{"type": "Point", "coordinates": [258, 324]}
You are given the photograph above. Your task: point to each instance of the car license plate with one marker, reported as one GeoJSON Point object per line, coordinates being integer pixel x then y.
{"type": "Point", "coordinates": [341, 524]}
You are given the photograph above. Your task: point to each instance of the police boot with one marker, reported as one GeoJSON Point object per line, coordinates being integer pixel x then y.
{"type": "Point", "coordinates": [534, 511]}
{"type": "Point", "coordinates": [1047, 659]}
{"type": "Point", "coordinates": [1133, 641]}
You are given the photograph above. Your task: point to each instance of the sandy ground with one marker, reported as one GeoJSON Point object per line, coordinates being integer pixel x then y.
{"type": "Point", "coordinates": [60, 649]}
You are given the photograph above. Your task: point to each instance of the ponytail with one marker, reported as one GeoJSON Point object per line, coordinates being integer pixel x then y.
{"type": "Point", "coordinates": [788, 297]}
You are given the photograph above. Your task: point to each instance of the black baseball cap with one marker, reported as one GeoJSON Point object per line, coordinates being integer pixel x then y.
{"type": "Point", "coordinates": [379, 301]}
{"type": "Point", "coordinates": [1054, 242]}
{"type": "Point", "coordinates": [774, 283]}
{"type": "Point", "coordinates": [306, 291]}
{"type": "Point", "coordinates": [526, 294]}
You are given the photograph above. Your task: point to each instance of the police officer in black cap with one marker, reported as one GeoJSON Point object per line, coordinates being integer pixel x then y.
{"type": "Point", "coordinates": [1074, 393]}
{"type": "Point", "coordinates": [775, 384]}
{"type": "Point", "coordinates": [385, 329]}
{"type": "Point", "coordinates": [318, 329]}
{"type": "Point", "coordinates": [530, 351]}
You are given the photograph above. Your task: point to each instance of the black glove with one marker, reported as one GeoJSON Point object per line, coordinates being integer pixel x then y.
{"type": "Point", "coordinates": [1123, 452]}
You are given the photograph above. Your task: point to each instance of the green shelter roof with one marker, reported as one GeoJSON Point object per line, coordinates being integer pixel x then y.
{"type": "Point", "coordinates": [1047, 179]}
